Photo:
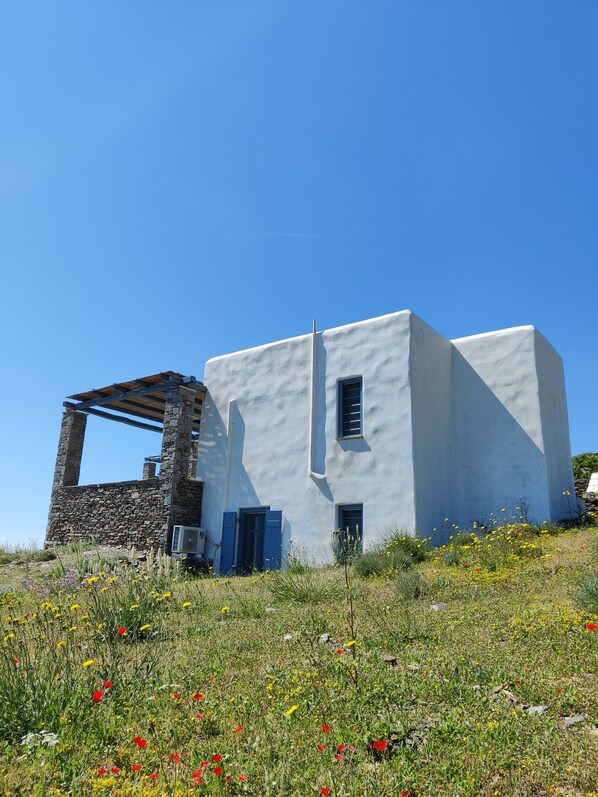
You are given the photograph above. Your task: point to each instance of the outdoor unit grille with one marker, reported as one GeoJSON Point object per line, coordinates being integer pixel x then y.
{"type": "Point", "coordinates": [188, 539]}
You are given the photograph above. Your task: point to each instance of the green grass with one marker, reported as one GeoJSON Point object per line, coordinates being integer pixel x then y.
{"type": "Point", "coordinates": [239, 668]}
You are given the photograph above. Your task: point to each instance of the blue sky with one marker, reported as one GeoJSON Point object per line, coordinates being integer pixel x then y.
{"type": "Point", "coordinates": [183, 179]}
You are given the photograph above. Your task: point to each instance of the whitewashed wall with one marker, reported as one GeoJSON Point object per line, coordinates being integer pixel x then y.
{"type": "Point", "coordinates": [450, 429]}
{"type": "Point", "coordinates": [268, 450]}
{"type": "Point", "coordinates": [505, 382]}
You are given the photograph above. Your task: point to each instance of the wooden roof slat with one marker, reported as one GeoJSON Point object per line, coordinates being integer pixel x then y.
{"type": "Point", "coordinates": [144, 397]}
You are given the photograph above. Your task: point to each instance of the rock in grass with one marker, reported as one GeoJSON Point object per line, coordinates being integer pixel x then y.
{"type": "Point", "coordinates": [324, 638]}
{"type": "Point", "coordinates": [440, 607]}
{"type": "Point", "coordinates": [270, 609]}
{"type": "Point", "coordinates": [288, 637]}
{"type": "Point", "coordinates": [537, 709]}
{"type": "Point", "coordinates": [392, 660]}
{"type": "Point", "coordinates": [574, 719]}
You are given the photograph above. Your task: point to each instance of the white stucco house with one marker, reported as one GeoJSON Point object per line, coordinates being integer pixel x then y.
{"type": "Point", "coordinates": [380, 424]}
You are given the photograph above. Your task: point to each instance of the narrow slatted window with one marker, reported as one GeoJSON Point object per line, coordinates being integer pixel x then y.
{"type": "Point", "coordinates": [349, 537]}
{"type": "Point", "coordinates": [349, 407]}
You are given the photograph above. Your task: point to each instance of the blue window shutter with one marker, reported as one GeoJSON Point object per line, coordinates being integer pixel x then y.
{"type": "Point", "coordinates": [227, 551]}
{"type": "Point", "coordinates": [273, 539]}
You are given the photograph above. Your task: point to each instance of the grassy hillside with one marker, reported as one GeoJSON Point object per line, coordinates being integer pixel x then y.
{"type": "Point", "coordinates": [474, 672]}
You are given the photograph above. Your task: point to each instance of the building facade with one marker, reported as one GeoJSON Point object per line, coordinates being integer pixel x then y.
{"type": "Point", "coordinates": [378, 425]}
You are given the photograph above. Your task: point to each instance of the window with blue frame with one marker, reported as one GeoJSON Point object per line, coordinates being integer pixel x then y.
{"type": "Point", "coordinates": [350, 414]}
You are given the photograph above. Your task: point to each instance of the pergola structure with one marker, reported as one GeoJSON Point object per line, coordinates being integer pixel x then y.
{"type": "Point", "coordinates": [142, 512]}
{"type": "Point", "coordinates": [139, 398]}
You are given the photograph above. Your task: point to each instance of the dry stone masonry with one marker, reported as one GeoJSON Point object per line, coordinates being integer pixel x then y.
{"type": "Point", "coordinates": [139, 513]}
{"type": "Point", "coordinates": [591, 499]}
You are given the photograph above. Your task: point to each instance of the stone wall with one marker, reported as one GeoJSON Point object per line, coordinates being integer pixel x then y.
{"type": "Point", "coordinates": [133, 513]}
{"type": "Point", "coordinates": [140, 513]}
{"type": "Point", "coordinates": [591, 499]}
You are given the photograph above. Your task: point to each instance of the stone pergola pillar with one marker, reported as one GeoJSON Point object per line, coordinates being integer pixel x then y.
{"type": "Point", "coordinates": [149, 471]}
{"type": "Point", "coordinates": [176, 450]}
{"type": "Point", "coordinates": [70, 449]}
{"type": "Point", "coordinates": [68, 461]}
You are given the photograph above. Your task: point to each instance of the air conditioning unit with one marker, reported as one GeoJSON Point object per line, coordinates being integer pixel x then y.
{"type": "Point", "coordinates": [188, 540]}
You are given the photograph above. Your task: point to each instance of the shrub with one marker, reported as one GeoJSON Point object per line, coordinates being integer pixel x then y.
{"type": "Point", "coordinates": [25, 555]}
{"type": "Point", "coordinates": [587, 594]}
{"type": "Point", "coordinates": [412, 585]}
{"type": "Point", "coordinates": [451, 556]}
{"type": "Point", "coordinates": [418, 548]}
{"type": "Point", "coordinates": [381, 561]}
{"type": "Point", "coordinates": [584, 465]}
{"type": "Point", "coordinates": [307, 588]}
{"type": "Point", "coordinates": [463, 538]}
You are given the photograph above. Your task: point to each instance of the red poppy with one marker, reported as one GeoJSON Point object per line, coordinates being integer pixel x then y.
{"type": "Point", "coordinates": [102, 771]}
{"type": "Point", "coordinates": [339, 757]}
{"type": "Point", "coordinates": [122, 631]}
{"type": "Point", "coordinates": [176, 757]}
{"type": "Point", "coordinates": [217, 757]}
{"type": "Point", "coordinates": [243, 777]}
{"type": "Point", "coordinates": [177, 696]}
{"type": "Point", "coordinates": [217, 770]}
{"type": "Point", "coordinates": [340, 652]}
{"type": "Point", "coordinates": [211, 678]}
{"type": "Point", "coordinates": [321, 747]}
{"type": "Point", "coordinates": [326, 728]}
{"type": "Point", "coordinates": [559, 691]}
{"type": "Point", "coordinates": [141, 742]}
{"type": "Point", "coordinates": [198, 777]}
{"type": "Point", "coordinates": [199, 716]}
{"type": "Point", "coordinates": [136, 767]}
{"type": "Point", "coordinates": [591, 626]}
{"type": "Point", "coordinates": [404, 793]}
{"type": "Point", "coordinates": [107, 684]}
{"type": "Point", "coordinates": [115, 770]}
{"type": "Point", "coordinates": [154, 775]}
{"type": "Point", "coordinates": [341, 747]}
{"type": "Point", "coordinates": [204, 764]}
{"type": "Point", "coordinates": [17, 661]}
{"type": "Point", "coordinates": [198, 696]}
{"type": "Point", "coordinates": [229, 777]}
{"type": "Point", "coordinates": [381, 745]}
{"type": "Point", "coordinates": [239, 729]}
{"type": "Point", "coordinates": [97, 696]}
{"type": "Point", "coordinates": [325, 791]}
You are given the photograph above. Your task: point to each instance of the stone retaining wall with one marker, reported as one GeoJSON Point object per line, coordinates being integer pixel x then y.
{"type": "Point", "coordinates": [591, 499]}
{"type": "Point", "coordinates": [132, 514]}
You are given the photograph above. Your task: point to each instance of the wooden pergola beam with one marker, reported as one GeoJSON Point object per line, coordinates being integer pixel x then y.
{"type": "Point", "coordinates": [128, 421]}
{"type": "Point", "coordinates": [142, 391]}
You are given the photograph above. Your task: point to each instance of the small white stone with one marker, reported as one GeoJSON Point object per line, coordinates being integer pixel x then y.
{"type": "Point", "coordinates": [440, 607]}
{"type": "Point", "coordinates": [324, 638]}
{"type": "Point", "coordinates": [270, 609]}
{"type": "Point", "coordinates": [288, 637]}
{"type": "Point", "coordinates": [574, 719]}
{"type": "Point", "coordinates": [537, 709]}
